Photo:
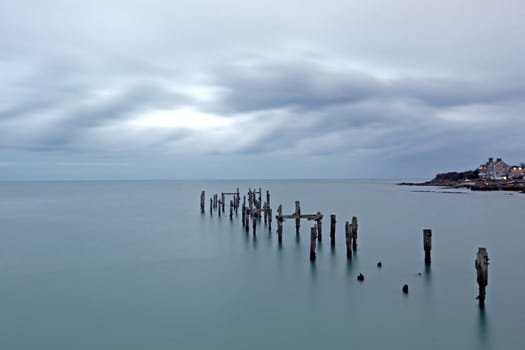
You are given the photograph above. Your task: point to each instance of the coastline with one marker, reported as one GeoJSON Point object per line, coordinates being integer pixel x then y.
{"type": "Point", "coordinates": [474, 185]}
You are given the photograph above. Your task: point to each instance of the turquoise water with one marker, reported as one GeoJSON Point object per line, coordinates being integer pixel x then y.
{"type": "Point", "coordinates": [134, 265]}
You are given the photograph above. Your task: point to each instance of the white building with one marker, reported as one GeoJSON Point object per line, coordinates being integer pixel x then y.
{"type": "Point", "coordinates": [494, 170]}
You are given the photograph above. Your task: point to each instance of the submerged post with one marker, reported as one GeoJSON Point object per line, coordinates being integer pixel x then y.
{"type": "Point", "coordinates": [332, 229]}
{"type": "Point", "coordinates": [297, 216]}
{"type": "Point", "coordinates": [354, 232]}
{"type": "Point", "coordinates": [203, 200]}
{"type": "Point", "coordinates": [254, 224]}
{"type": "Point", "coordinates": [313, 238]}
{"type": "Point", "coordinates": [482, 269]}
{"type": "Point", "coordinates": [231, 210]}
{"type": "Point", "coordinates": [427, 245]}
{"type": "Point", "coordinates": [211, 206]}
{"type": "Point", "coordinates": [348, 233]}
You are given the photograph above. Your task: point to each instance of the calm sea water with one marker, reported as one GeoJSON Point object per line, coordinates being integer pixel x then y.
{"type": "Point", "coordinates": [134, 265]}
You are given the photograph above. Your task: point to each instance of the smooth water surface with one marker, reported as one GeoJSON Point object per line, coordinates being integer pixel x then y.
{"type": "Point", "coordinates": [135, 265]}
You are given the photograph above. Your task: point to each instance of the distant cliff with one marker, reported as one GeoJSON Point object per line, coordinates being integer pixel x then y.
{"type": "Point", "coordinates": [455, 177]}
{"type": "Point", "coordinates": [452, 178]}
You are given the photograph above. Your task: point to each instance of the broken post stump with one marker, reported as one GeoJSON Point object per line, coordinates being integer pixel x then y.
{"type": "Point", "coordinates": [297, 216]}
{"type": "Point", "coordinates": [319, 223]}
{"type": "Point", "coordinates": [223, 201]}
{"type": "Point", "coordinates": [231, 210]}
{"type": "Point", "coordinates": [332, 229]}
{"type": "Point", "coordinates": [427, 245]}
{"type": "Point", "coordinates": [353, 228]}
{"type": "Point", "coordinates": [254, 224]}
{"type": "Point", "coordinates": [280, 219]}
{"type": "Point", "coordinates": [211, 206]}
{"type": "Point", "coordinates": [482, 269]}
{"type": "Point", "coordinates": [313, 238]}
{"type": "Point", "coordinates": [203, 200]}
{"type": "Point", "coordinates": [270, 219]}
{"type": "Point", "coordinates": [348, 234]}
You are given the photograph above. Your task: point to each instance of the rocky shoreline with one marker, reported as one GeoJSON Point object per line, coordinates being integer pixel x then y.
{"type": "Point", "coordinates": [471, 181]}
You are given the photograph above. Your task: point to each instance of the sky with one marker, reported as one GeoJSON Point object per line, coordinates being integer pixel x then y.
{"type": "Point", "coordinates": [268, 89]}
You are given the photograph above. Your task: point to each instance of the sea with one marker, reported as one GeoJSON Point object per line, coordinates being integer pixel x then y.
{"type": "Point", "coordinates": [136, 265]}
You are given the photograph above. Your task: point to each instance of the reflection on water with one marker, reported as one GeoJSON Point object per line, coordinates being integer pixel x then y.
{"type": "Point", "coordinates": [483, 330]}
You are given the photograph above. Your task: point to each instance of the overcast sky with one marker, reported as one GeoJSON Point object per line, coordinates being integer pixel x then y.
{"type": "Point", "coordinates": [259, 89]}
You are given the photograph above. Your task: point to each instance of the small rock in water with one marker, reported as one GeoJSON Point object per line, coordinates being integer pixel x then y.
{"type": "Point", "coordinates": [360, 278]}
{"type": "Point", "coordinates": [380, 264]}
{"type": "Point", "coordinates": [419, 273]}
{"type": "Point", "coordinates": [405, 289]}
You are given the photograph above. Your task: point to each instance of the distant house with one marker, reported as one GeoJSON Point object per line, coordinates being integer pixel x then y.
{"type": "Point", "coordinates": [494, 170]}
{"type": "Point", "coordinates": [517, 171]}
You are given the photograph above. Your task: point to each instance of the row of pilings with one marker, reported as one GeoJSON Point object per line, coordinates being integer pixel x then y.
{"type": "Point", "coordinates": [253, 210]}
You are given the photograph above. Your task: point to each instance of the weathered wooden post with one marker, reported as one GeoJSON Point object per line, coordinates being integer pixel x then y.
{"type": "Point", "coordinates": [219, 205]}
{"type": "Point", "coordinates": [237, 201]}
{"type": "Point", "coordinates": [268, 198]}
{"type": "Point", "coordinates": [231, 210]}
{"type": "Point", "coordinates": [427, 245]}
{"type": "Point", "coordinates": [348, 233]}
{"type": "Point", "coordinates": [265, 208]}
{"type": "Point", "coordinates": [223, 201]}
{"type": "Point", "coordinates": [332, 229]}
{"type": "Point", "coordinates": [270, 219]}
{"type": "Point", "coordinates": [203, 200]}
{"type": "Point", "coordinates": [254, 224]}
{"type": "Point", "coordinates": [243, 213]}
{"type": "Point", "coordinates": [211, 206]}
{"type": "Point", "coordinates": [482, 269]}
{"type": "Point", "coordinates": [319, 223]}
{"type": "Point", "coordinates": [313, 238]}
{"type": "Point", "coordinates": [279, 218]}
{"type": "Point", "coordinates": [247, 221]}
{"type": "Point", "coordinates": [354, 232]}
{"type": "Point", "coordinates": [260, 195]}
{"type": "Point", "coordinates": [297, 216]}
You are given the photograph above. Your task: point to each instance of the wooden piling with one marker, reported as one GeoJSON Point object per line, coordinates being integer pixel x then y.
{"type": "Point", "coordinates": [270, 219]}
{"type": "Point", "coordinates": [203, 201]}
{"type": "Point", "coordinates": [254, 224]}
{"type": "Point", "coordinates": [297, 216]}
{"type": "Point", "coordinates": [247, 220]}
{"type": "Point", "coordinates": [332, 229]}
{"type": "Point", "coordinates": [482, 269]}
{"type": "Point", "coordinates": [231, 210]}
{"type": "Point", "coordinates": [348, 234]}
{"type": "Point", "coordinates": [211, 206]}
{"type": "Point", "coordinates": [279, 219]}
{"type": "Point", "coordinates": [354, 232]}
{"type": "Point", "coordinates": [243, 213]}
{"type": "Point", "coordinates": [427, 245]}
{"type": "Point", "coordinates": [260, 195]}
{"type": "Point", "coordinates": [319, 223]}
{"type": "Point", "coordinates": [313, 238]}
{"type": "Point", "coordinates": [223, 201]}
